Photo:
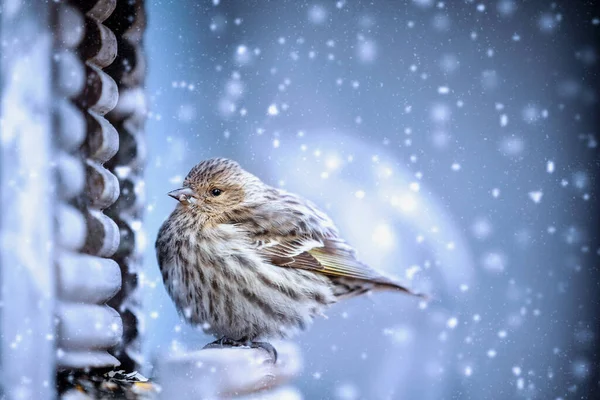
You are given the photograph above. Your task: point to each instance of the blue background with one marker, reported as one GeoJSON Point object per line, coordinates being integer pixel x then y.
{"type": "Point", "coordinates": [455, 145]}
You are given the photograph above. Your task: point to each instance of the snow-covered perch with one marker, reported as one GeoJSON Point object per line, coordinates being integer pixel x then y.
{"type": "Point", "coordinates": [229, 373]}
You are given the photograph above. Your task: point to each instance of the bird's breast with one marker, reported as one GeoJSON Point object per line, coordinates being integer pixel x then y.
{"type": "Point", "coordinates": [217, 279]}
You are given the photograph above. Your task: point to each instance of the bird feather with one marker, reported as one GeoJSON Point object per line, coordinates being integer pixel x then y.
{"type": "Point", "coordinates": [330, 256]}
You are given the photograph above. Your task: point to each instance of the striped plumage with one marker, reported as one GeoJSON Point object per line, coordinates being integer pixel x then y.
{"type": "Point", "coordinates": [248, 261]}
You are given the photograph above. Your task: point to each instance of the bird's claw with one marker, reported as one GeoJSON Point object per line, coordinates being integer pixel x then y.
{"type": "Point", "coordinates": [268, 347]}
{"type": "Point", "coordinates": [226, 342]}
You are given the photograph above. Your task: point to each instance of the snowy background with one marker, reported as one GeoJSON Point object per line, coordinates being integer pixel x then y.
{"type": "Point", "coordinates": [455, 145]}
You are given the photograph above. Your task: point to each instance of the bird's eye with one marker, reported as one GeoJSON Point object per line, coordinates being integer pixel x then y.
{"type": "Point", "coordinates": [216, 192]}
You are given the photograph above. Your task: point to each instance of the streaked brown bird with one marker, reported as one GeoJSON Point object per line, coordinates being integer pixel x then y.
{"type": "Point", "coordinates": [247, 261]}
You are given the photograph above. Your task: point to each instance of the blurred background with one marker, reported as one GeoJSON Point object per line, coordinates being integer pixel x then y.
{"type": "Point", "coordinates": [454, 143]}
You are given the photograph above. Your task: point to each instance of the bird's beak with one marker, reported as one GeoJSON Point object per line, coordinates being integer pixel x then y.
{"type": "Point", "coordinates": [183, 194]}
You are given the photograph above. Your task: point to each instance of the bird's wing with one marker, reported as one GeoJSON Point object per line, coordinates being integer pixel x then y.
{"type": "Point", "coordinates": [294, 233]}
{"type": "Point", "coordinates": [330, 256]}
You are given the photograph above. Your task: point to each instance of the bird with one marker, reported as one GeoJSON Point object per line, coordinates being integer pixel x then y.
{"type": "Point", "coordinates": [249, 262]}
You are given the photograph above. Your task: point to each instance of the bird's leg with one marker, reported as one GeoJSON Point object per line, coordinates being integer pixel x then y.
{"type": "Point", "coordinates": [227, 342]}
{"type": "Point", "coordinates": [266, 346]}
{"type": "Point", "coordinates": [224, 342]}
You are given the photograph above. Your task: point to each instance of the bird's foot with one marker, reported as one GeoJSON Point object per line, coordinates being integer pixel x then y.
{"type": "Point", "coordinates": [225, 342]}
{"type": "Point", "coordinates": [268, 347]}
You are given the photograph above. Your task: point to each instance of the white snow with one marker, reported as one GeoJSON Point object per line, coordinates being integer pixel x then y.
{"type": "Point", "coordinates": [536, 196]}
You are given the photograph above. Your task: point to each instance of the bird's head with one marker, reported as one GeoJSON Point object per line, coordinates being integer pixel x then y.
{"type": "Point", "coordinates": [216, 187]}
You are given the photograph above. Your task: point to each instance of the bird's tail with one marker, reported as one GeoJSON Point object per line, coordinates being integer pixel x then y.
{"type": "Point", "coordinates": [388, 284]}
{"type": "Point", "coordinates": [347, 288]}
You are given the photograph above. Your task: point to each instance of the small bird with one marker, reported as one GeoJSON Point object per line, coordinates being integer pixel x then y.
{"type": "Point", "coordinates": [247, 261]}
